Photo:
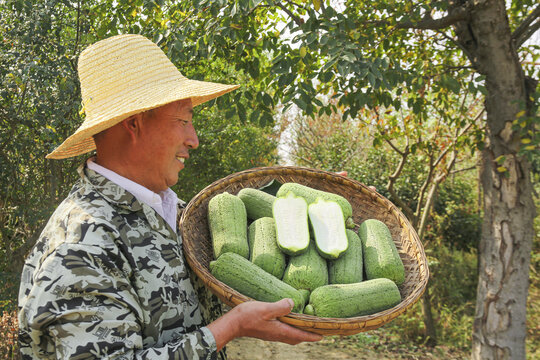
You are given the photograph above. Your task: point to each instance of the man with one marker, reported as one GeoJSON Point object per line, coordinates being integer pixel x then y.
{"type": "Point", "coordinates": [107, 278]}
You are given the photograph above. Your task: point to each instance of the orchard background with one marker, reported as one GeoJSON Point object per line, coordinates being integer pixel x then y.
{"type": "Point", "coordinates": [434, 103]}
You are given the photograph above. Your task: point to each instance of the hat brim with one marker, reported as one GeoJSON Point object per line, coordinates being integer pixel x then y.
{"type": "Point", "coordinates": [199, 92]}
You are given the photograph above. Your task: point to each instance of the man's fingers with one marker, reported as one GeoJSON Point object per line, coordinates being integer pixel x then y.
{"type": "Point", "coordinates": [292, 335]}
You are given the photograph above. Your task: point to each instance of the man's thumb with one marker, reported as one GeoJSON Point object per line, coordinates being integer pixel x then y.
{"type": "Point", "coordinates": [283, 307]}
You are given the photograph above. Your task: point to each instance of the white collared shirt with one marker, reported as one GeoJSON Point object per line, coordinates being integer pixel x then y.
{"type": "Point", "coordinates": [165, 203]}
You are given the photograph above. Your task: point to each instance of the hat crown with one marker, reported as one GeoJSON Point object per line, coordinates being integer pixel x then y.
{"type": "Point", "coordinates": [120, 67]}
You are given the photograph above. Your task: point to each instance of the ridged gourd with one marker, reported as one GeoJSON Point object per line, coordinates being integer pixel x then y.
{"type": "Point", "coordinates": [263, 249]}
{"type": "Point", "coordinates": [381, 258]}
{"type": "Point", "coordinates": [227, 221]}
{"type": "Point", "coordinates": [306, 271]}
{"type": "Point", "coordinates": [252, 281]}
{"type": "Point", "coordinates": [257, 202]}
{"type": "Point", "coordinates": [292, 230]}
{"type": "Point", "coordinates": [350, 300]}
{"type": "Point", "coordinates": [326, 219]}
{"type": "Point", "coordinates": [349, 267]}
{"type": "Point", "coordinates": [311, 195]}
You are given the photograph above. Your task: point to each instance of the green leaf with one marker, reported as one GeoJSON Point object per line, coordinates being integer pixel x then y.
{"type": "Point", "coordinates": [343, 69]}
{"type": "Point", "coordinates": [326, 76]}
{"type": "Point", "coordinates": [309, 109]}
{"type": "Point", "coordinates": [453, 85]}
{"type": "Point", "coordinates": [324, 39]}
{"type": "Point", "coordinates": [311, 37]}
{"type": "Point", "coordinates": [266, 119]}
{"type": "Point", "coordinates": [371, 79]}
{"type": "Point", "coordinates": [267, 100]}
{"type": "Point", "coordinates": [348, 56]}
{"type": "Point", "coordinates": [241, 110]}
{"type": "Point", "coordinates": [300, 103]}
{"type": "Point", "coordinates": [500, 159]}
{"type": "Point", "coordinates": [254, 116]}
{"type": "Point", "coordinates": [330, 63]}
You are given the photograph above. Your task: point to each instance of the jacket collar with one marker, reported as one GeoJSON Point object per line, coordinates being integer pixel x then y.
{"type": "Point", "coordinates": [122, 198]}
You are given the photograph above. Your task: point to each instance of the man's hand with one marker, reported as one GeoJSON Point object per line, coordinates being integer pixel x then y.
{"type": "Point", "coordinates": [259, 320]}
{"type": "Point", "coordinates": [344, 173]}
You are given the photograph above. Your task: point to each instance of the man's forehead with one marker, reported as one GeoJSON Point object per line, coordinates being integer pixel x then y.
{"type": "Point", "coordinates": [184, 104]}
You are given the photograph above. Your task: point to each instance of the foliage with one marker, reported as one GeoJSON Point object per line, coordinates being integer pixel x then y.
{"type": "Point", "coordinates": [453, 278]}
{"type": "Point", "coordinates": [36, 71]}
{"type": "Point", "coordinates": [457, 218]}
{"type": "Point", "coordinates": [225, 146]}
{"type": "Point", "coordinates": [40, 103]}
{"type": "Point", "coordinates": [397, 82]}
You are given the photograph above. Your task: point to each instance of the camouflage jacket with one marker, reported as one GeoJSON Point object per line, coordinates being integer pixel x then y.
{"type": "Point", "coordinates": [107, 279]}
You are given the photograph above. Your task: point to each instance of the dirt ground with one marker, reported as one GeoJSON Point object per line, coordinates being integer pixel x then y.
{"type": "Point", "coordinates": [254, 349]}
{"type": "Point", "coordinates": [332, 349]}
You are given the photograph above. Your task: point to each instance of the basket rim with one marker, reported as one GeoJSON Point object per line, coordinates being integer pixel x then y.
{"type": "Point", "coordinates": [307, 321]}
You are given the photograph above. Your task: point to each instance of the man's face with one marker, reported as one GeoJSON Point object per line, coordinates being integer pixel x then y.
{"type": "Point", "coordinates": [165, 138]}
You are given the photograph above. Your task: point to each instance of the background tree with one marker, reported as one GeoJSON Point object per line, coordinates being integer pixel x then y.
{"type": "Point", "coordinates": [358, 53]}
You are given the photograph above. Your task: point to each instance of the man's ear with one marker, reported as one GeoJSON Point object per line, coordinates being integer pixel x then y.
{"type": "Point", "coordinates": [132, 125]}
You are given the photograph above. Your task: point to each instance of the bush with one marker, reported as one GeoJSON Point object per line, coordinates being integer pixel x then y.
{"type": "Point", "coordinates": [454, 277]}
{"type": "Point", "coordinates": [8, 334]}
{"type": "Point", "coordinates": [226, 146]}
{"type": "Point", "coordinates": [456, 219]}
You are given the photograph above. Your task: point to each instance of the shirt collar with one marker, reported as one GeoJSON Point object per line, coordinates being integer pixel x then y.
{"type": "Point", "coordinates": [164, 203]}
{"type": "Point", "coordinates": [142, 194]}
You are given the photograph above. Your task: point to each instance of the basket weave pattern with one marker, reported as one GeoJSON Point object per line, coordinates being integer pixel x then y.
{"type": "Point", "coordinates": [366, 204]}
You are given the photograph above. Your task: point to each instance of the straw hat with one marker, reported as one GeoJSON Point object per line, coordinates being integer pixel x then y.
{"type": "Point", "coordinates": [125, 75]}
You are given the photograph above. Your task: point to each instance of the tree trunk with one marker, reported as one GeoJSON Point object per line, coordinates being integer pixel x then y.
{"type": "Point", "coordinates": [430, 331]}
{"type": "Point", "coordinates": [507, 231]}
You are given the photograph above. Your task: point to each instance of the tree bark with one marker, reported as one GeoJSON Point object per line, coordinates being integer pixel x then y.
{"type": "Point", "coordinates": [507, 232]}
{"type": "Point", "coordinates": [430, 331]}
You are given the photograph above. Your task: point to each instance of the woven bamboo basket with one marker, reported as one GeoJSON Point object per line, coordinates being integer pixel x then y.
{"type": "Point", "coordinates": [366, 204]}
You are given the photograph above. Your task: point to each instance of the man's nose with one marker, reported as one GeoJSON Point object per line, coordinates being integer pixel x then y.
{"type": "Point", "coordinates": [192, 141]}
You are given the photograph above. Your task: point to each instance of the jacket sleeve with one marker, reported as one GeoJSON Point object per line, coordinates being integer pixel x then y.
{"type": "Point", "coordinates": [80, 303]}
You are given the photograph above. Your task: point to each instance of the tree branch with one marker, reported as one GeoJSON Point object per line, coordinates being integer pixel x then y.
{"type": "Point", "coordinates": [455, 15]}
{"type": "Point", "coordinates": [295, 4]}
{"type": "Point", "coordinates": [296, 19]}
{"type": "Point", "coordinates": [255, 8]}
{"type": "Point", "coordinates": [525, 30]}
{"type": "Point", "coordinates": [431, 195]}
{"type": "Point", "coordinates": [459, 45]}
{"type": "Point", "coordinates": [392, 179]}
{"type": "Point", "coordinates": [395, 148]}
{"type": "Point", "coordinates": [464, 169]}
{"type": "Point", "coordinates": [422, 191]}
